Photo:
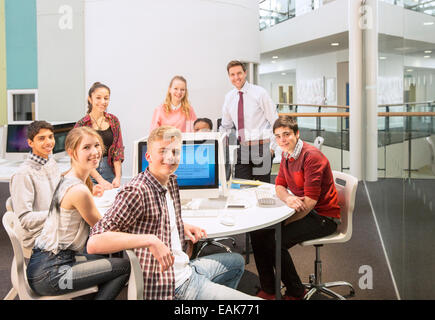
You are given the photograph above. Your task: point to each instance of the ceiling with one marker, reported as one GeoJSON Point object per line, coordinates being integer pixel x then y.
{"type": "Point", "coordinates": [387, 44]}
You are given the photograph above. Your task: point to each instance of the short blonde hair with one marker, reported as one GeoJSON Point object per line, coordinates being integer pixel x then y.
{"type": "Point", "coordinates": [164, 133]}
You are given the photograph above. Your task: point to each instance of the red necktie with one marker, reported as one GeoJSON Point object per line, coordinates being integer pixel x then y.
{"type": "Point", "coordinates": [240, 118]}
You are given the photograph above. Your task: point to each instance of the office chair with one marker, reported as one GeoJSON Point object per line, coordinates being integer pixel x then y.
{"type": "Point", "coordinates": [346, 186]}
{"type": "Point", "coordinates": [27, 252]}
{"type": "Point", "coordinates": [432, 152]}
{"type": "Point", "coordinates": [318, 142]}
{"type": "Point", "coordinates": [18, 270]}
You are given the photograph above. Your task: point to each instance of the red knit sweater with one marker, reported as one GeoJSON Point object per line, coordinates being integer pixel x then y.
{"type": "Point", "coordinates": [310, 175]}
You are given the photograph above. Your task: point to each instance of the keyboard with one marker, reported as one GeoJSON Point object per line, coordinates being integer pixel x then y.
{"type": "Point", "coordinates": [200, 213]}
{"type": "Point", "coordinates": [264, 196]}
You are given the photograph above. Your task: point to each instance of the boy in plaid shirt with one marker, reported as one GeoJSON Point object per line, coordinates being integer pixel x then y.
{"type": "Point", "coordinates": [146, 217]}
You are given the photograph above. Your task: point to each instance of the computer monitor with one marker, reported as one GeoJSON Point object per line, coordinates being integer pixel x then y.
{"type": "Point", "coordinates": [201, 172]}
{"type": "Point", "coordinates": [61, 130]}
{"type": "Point", "coordinates": [17, 147]}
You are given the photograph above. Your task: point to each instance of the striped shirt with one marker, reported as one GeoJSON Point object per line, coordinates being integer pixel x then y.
{"type": "Point", "coordinates": [140, 208]}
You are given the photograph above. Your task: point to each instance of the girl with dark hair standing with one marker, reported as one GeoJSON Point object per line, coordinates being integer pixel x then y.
{"type": "Point", "coordinates": [108, 173]}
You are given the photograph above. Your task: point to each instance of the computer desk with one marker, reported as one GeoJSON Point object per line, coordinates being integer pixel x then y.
{"type": "Point", "coordinates": [254, 217]}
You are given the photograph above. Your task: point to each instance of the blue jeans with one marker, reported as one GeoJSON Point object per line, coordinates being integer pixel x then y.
{"type": "Point", "coordinates": [52, 274]}
{"type": "Point", "coordinates": [105, 171]}
{"type": "Point", "coordinates": [214, 277]}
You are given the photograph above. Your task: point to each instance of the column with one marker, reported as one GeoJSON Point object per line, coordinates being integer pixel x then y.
{"type": "Point", "coordinates": [356, 116]}
{"type": "Point", "coordinates": [370, 62]}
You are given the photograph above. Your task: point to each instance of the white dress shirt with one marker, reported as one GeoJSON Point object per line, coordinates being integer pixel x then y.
{"type": "Point", "coordinates": [259, 113]}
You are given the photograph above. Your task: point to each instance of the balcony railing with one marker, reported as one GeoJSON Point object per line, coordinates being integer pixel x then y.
{"type": "Point", "coordinates": [423, 6]}
{"type": "Point", "coordinates": [273, 12]}
{"type": "Point", "coordinates": [401, 123]}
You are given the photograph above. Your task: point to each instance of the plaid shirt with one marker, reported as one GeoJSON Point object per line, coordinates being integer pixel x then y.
{"type": "Point", "coordinates": [116, 150]}
{"type": "Point", "coordinates": [140, 208]}
{"type": "Point", "coordinates": [37, 159]}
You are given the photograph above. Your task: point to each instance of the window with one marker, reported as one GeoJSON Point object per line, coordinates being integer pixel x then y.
{"type": "Point", "coordinates": [22, 105]}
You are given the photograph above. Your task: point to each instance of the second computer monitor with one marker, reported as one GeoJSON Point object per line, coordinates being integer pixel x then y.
{"type": "Point", "coordinates": [60, 132]}
{"type": "Point", "coordinates": [201, 172]}
{"type": "Point", "coordinates": [198, 172]}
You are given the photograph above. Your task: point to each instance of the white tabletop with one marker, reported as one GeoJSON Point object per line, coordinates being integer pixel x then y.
{"type": "Point", "coordinates": [252, 218]}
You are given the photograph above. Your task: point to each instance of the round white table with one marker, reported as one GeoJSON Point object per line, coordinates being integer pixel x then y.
{"type": "Point", "coordinates": [253, 217]}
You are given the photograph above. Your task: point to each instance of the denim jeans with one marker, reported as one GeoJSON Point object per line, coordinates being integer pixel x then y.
{"type": "Point", "coordinates": [311, 226]}
{"type": "Point", "coordinates": [51, 274]}
{"type": "Point", "coordinates": [105, 171]}
{"type": "Point", "coordinates": [214, 277]}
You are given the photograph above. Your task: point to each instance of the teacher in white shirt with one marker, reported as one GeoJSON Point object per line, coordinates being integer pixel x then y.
{"type": "Point", "coordinates": [252, 112]}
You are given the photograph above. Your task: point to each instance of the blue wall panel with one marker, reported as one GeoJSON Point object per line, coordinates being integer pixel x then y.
{"type": "Point", "coordinates": [21, 44]}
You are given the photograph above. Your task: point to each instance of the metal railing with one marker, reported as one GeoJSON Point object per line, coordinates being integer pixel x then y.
{"type": "Point", "coordinates": [406, 130]}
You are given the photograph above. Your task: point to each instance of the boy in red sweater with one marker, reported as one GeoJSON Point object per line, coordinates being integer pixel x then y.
{"type": "Point", "coordinates": [305, 172]}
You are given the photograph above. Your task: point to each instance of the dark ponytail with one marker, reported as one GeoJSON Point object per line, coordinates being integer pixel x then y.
{"type": "Point", "coordinates": [94, 87]}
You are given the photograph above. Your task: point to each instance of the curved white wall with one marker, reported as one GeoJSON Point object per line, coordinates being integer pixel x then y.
{"type": "Point", "coordinates": [136, 46]}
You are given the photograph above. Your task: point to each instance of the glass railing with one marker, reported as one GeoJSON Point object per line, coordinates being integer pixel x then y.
{"type": "Point", "coordinates": [406, 130]}
{"type": "Point", "coordinates": [273, 12]}
{"type": "Point", "coordinates": [423, 6]}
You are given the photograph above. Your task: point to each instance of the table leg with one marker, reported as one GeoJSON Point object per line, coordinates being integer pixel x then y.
{"type": "Point", "coordinates": [247, 251]}
{"type": "Point", "coordinates": [278, 261]}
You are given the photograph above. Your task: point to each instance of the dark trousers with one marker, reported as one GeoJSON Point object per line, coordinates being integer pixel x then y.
{"type": "Point", "coordinates": [312, 226]}
{"type": "Point", "coordinates": [254, 162]}
{"type": "Point", "coordinates": [51, 274]}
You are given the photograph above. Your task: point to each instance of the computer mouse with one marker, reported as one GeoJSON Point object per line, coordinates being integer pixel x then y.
{"type": "Point", "coordinates": [228, 221]}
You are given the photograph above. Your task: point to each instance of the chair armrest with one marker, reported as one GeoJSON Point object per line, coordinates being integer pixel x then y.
{"type": "Point", "coordinates": [135, 281]}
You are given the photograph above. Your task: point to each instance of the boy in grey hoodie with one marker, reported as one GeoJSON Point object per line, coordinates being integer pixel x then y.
{"type": "Point", "coordinates": [33, 184]}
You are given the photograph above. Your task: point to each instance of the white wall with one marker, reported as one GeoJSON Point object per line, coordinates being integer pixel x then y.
{"type": "Point", "coordinates": [333, 18]}
{"type": "Point", "coordinates": [404, 23]}
{"type": "Point", "coordinates": [136, 47]}
{"type": "Point", "coordinates": [61, 61]}
{"type": "Point", "coordinates": [272, 81]}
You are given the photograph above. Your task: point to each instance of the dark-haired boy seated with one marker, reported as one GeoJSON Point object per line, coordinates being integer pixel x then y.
{"type": "Point", "coordinates": [33, 184]}
{"type": "Point", "coordinates": [307, 174]}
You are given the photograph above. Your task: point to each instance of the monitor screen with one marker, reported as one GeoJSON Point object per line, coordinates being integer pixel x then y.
{"type": "Point", "coordinates": [198, 164]}
{"type": "Point", "coordinates": [60, 133]}
{"type": "Point", "coordinates": [17, 139]}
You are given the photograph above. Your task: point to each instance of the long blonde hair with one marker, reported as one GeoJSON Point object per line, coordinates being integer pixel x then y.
{"type": "Point", "coordinates": [73, 140]}
{"type": "Point", "coordinates": [185, 105]}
